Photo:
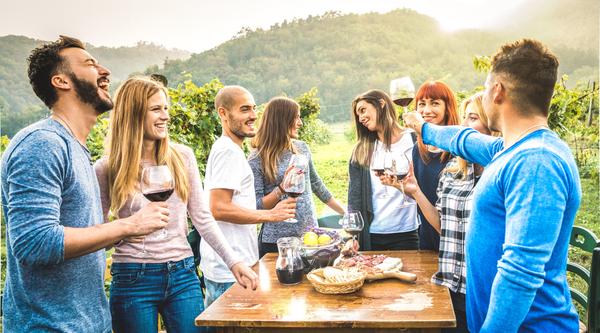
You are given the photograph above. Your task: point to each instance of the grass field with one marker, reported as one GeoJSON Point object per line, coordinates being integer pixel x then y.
{"type": "Point", "coordinates": [331, 161]}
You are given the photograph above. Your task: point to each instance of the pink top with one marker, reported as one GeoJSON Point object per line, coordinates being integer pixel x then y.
{"type": "Point", "coordinates": [176, 246]}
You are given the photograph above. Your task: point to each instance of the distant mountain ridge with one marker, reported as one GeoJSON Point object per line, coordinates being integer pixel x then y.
{"type": "Point", "coordinates": [344, 55]}
{"type": "Point", "coordinates": [16, 93]}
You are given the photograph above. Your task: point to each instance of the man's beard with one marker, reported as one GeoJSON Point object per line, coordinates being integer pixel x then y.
{"type": "Point", "coordinates": [87, 92]}
{"type": "Point", "coordinates": [237, 130]}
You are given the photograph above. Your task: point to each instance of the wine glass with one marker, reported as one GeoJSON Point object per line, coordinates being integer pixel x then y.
{"type": "Point", "coordinates": [353, 223]}
{"type": "Point", "coordinates": [401, 167]}
{"type": "Point", "coordinates": [379, 162]}
{"type": "Point", "coordinates": [293, 181]}
{"type": "Point", "coordinates": [402, 91]}
{"type": "Point", "coordinates": [156, 184]}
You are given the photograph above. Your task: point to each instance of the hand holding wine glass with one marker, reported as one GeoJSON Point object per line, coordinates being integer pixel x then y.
{"type": "Point", "coordinates": [156, 185]}
{"type": "Point", "coordinates": [293, 183]}
{"type": "Point", "coordinates": [380, 164]}
{"type": "Point", "coordinates": [402, 169]}
{"type": "Point", "coordinates": [414, 121]}
{"type": "Point", "coordinates": [150, 218]}
{"type": "Point", "coordinates": [353, 223]}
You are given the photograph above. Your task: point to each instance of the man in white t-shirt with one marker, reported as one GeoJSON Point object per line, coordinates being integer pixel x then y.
{"type": "Point", "coordinates": [229, 183]}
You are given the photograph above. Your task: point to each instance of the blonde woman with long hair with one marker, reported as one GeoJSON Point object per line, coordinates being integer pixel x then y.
{"type": "Point", "coordinates": [388, 224]}
{"type": "Point", "coordinates": [166, 281]}
{"type": "Point", "coordinates": [450, 214]}
{"type": "Point", "coordinates": [275, 142]}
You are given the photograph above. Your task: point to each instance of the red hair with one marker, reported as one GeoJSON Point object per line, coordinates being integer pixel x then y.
{"type": "Point", "coordinates": [438, 90]}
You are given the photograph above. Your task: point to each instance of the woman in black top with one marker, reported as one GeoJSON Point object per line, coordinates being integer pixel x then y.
{"type": "Point", "coordinates": [436, 103]}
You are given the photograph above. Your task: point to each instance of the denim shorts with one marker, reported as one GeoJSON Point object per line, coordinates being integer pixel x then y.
{"type": "Point", "coordinates": [139, 292]}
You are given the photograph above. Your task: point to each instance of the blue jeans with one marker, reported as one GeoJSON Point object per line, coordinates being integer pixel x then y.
{"type": "Point", "coordinates": [138, 292]}
{"type": "Point", "coordinates": [215, 289]}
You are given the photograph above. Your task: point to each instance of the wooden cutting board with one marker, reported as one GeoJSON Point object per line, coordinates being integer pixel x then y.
{"type": "Point", "coordinates": [393, 273]}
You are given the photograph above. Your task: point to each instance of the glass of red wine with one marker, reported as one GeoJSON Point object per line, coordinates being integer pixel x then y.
{"type": "Point", "coordinates": [156, 184]}
{"type": "Point", "coordinates": [293, 181]}
{"type": "Point", "coordinates": [402, 91]}
{"type": "Point", "coordinates": [381, 163]}
{"type": "Point", "coordinates": [353, 223]}
{"type": "Point", "coordinates": [401, 167]}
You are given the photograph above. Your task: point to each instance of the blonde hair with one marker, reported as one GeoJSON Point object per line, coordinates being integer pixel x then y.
{"type": "Point", "coordinates": [476, 102]}
{"type": "Point", "coordinates": [124, 143]}
{"type": "Point", "coordinates": [387, 118]}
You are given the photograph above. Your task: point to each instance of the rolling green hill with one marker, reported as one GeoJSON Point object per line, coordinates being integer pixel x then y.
{"type": "Point", "coordinates": [344, 55]}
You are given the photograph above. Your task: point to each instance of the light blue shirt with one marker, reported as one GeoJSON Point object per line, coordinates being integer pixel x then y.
{"type": "Point", "coordinates": [524, 207]}
{"type": "Point", "coordinates": [48, 183]}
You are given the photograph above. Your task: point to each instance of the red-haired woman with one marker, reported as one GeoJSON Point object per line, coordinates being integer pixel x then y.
{"type": "Point", "coordinates": [436, 103]}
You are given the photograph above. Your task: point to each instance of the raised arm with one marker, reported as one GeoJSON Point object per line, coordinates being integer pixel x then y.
{"type": "Point", "coordinates": [460, 141]}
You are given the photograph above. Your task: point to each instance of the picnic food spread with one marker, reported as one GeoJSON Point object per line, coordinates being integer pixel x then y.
{"type": "Point", "coordinates": [350, 266]}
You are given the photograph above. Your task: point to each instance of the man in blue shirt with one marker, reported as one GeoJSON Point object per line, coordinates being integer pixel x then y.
{"type": "Point", "coordinates": [51, 202]}
{"type": "Point", "coordinates": [525, 202]}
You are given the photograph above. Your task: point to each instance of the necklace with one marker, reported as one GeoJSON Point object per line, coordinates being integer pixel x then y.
{"type": "Point", "coordinates": [529, 130]}
{"type": "Point", "coordinates": [63, 122]}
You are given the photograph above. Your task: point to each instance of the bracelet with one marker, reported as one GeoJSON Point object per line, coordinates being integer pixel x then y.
{"type": "Point", "coordinates": [281, 194]}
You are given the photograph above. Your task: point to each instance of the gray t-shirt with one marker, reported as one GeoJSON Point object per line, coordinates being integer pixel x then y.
{"type": "Point", "coordinates": [48, 183]}
{"type": "Point", "coordinates": [305, 209]}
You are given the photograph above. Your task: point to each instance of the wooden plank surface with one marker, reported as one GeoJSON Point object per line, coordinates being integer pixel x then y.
{"type": "Point", "coordinates": [381, 304]}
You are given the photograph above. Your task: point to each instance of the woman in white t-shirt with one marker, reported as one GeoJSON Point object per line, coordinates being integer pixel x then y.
{"type": "Point", "coordinates": [390, 217]}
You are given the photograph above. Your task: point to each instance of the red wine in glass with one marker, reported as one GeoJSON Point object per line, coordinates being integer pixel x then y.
{"type": "Point", "coordinates": [403, 102]}
{"type": "Point", "coordinates": [378, 172]}
{"type": "Point", "coordinates": [293, 180]}
{"type": "Point", "coordinates": [159, 195]}
{"type": "Point", "coordinates": [156, 184]}
{"type": "Point", "coordinates": [294, 194]}
{"type": "Point", "coordinates": [400, 175]}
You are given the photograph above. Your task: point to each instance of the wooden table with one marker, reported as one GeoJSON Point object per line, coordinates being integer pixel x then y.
{"type": "Point", "coordinates": [379, 306]}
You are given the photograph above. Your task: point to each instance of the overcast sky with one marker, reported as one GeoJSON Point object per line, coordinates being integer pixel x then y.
{"type": "Point", "coordinates": [198, 25]}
